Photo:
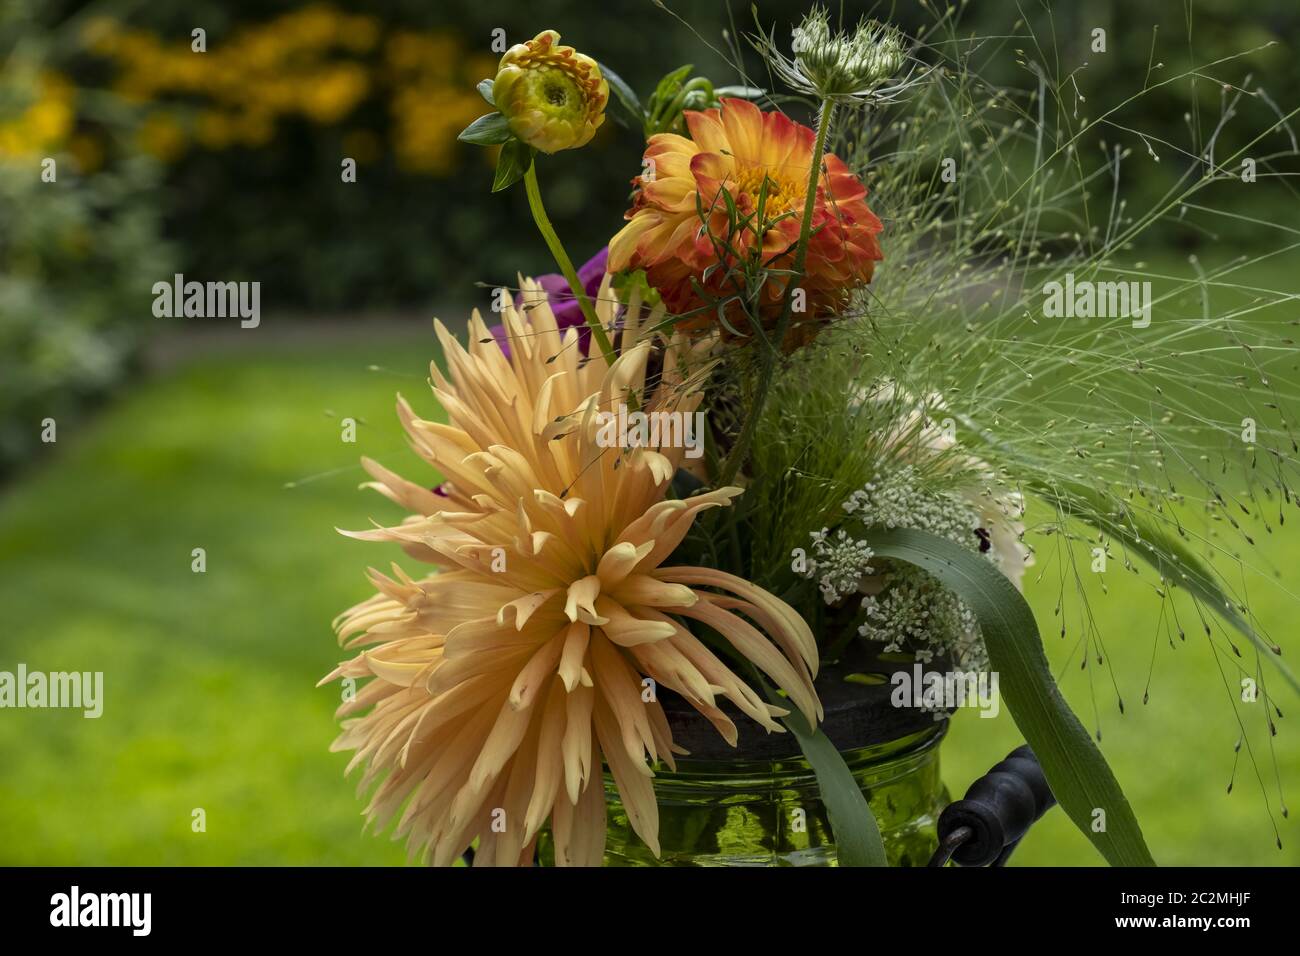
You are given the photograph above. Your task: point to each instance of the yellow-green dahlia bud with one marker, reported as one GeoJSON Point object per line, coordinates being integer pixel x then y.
{"type": "Point", "coordinates": [552, 96]}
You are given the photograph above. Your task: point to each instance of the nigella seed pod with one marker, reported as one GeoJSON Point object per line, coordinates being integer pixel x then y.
{"type": "Point", "coordinates": [843, 66]}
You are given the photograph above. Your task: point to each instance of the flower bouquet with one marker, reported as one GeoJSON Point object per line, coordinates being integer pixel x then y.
{"type": "Point", "coordinates": [729, 522]}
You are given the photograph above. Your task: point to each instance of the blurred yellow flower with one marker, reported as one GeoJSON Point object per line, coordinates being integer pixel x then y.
{"type": "Point", "coordinates": [214, 129]}
{"type": "Point", "coordinates": [254, 127]}
{"type": "Point", "coordinates": [334, 92]}
{"type": "Point", "coordinates": [426, 120]}
{"type": "Point", "coordinates": [552, 96]}
{"type": "Point", "coordinates": [161, 136]}
{"type": "Point", "coordinates": [46, 122]}
{"type": "Point", "coordinates": [317, 63]}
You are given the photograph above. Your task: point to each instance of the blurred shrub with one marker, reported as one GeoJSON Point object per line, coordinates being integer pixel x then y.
{"type": "Point", "coordinates": [78, 254]}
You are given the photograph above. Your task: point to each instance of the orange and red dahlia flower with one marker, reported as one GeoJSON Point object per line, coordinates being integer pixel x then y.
{"type": "Point", "coordinates": [680, 223]}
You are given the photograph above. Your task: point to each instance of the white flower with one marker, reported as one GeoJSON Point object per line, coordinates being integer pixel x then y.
{"type": "Point", "coordinates": [915, 611]}
{"type": "Point", "coordinates": [840, 563]}
{"type": "Point", "coordinates": [919, 436]}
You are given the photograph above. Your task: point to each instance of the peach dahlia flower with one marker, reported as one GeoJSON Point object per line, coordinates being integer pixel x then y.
{"type": "Point", "coordinates": [734, 149]}
{"type": "Point", "coordinates": [501, 681]}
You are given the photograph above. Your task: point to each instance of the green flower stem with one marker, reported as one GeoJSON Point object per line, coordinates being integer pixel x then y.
{"type": "Point", "coordinates": [566, 265]}
{"type": "Point", "coordinates": [740, 451]}
{"type": "Point", "coordinates": [666, 114]}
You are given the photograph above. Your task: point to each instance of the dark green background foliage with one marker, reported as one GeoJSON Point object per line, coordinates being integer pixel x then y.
{"type": "Point", "coordinates": [279, 213]}
{"type": "Point", "coordinates": [403, 239]}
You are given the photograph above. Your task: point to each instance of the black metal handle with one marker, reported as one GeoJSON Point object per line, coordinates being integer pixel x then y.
{"type": "Point", "coordinates": [985, 826]}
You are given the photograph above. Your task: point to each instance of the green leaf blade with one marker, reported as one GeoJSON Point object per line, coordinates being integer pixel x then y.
{"type": "Point", "coordinates": [516, 156]}
{"type": "Point", "coordinates": [625, 95]}
{"type": "Point", "coordinates": [490, 129]}
{"type": "Point", "coordinates": [857, 836]}
{"type": "Point", "coordinates": [1078, 774]}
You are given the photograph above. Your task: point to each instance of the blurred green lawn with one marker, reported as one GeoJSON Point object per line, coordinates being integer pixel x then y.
{"type": "Point", "coordinates": [209, 678]}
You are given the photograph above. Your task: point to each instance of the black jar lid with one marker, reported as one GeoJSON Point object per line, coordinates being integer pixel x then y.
{"type": "Point", "coordinates": [857, 714]}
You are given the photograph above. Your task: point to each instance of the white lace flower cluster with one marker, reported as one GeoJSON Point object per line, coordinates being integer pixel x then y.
{"type": "Point", "coordinates": [915, 612]}
{"type": "Point", "coordinates": [899, 499]}
{"type": "Point", "coordinates": [904, 607]}
{"type": "Point", "coordinates": [839, 562]}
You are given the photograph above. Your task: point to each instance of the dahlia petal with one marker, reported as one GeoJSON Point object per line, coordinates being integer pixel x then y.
{"type": "Point", "coordinates": [575, 651]}
{"type": "Point", "coordinates": [617, 563]}
{"type": "Point", "coordinates": [670, 668]}
{"type": "Point", "coordinates": [676, 522]}
{"type": "Point", "coordinates": [770, 626]}
{"type": "Point", "coordinates": [619, 687]}
{"type": "Point", "coordinates": [631, 777]}
{"type": "Point", "coordinates": [580, 605]}
{"type": "Point", "coordinates": [666, 240]}
{"type": "Point", "coordinates": [671, 154]}
{"type": "Point", "coordinates": [397, 489]}
{"type": "Point", "coordinates": [521, 779]}
{"type": "Point", "coordinates": [743, 126]}
{"type": "Point", "coordinates": [623, 247]}
{"type": "Point", "coordinates": [579, 825]}
{"type": "Point", "coordinates": [486, 634]}
{"type": "Point", "coordinates": [787, 146]}
{"type": "Point", "coordinates": [711, 172]}
{"type": "Point", "coordinates": [720, 680]}
{"type": "Point", "coordinates": [645, 589]}
{"type": "Point", "coordinates": [452, 672]}
{"type": "Point", "coordinates": [547, 766]}
{"type": "Point", "coordinates": [525, 606]}
{"type": "Point", "coordinates": [662, 735]}
{"type": "Point", "coordinates": [756, 648]}
{"type": "Point", "coordinates": [624, 629]}
{"type": "Point", "coordinates": [468, 695]}
{"type": "Point", "coordinates": [507, 734]}
{"type": "Point", "coordinates": [675, 194]}
{"type": "Point", "coordinates": [785, 617]}
{"type": "Point", "coordinates": [536, 674]}
{"type": "Point", "coordinates": [706, 130]}
{"type": "Point", "coordinates": [401, 673]}
{"type": "Point", "coordinates": [576, 745]}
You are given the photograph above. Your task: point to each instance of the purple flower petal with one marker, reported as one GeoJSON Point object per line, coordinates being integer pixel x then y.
{"type": "Point", "coordinates": [499, 333]}
{"type": "Point", "coordinates": [564, 306]}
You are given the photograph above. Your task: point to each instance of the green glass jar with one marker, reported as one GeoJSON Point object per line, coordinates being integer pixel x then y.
{"type": "Point", "coordinates": [769, 813]}
{"type": "Point", "coordinates": [759, 804]}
